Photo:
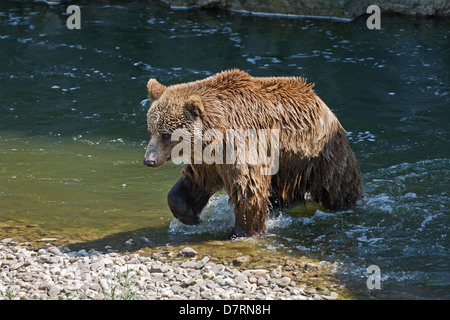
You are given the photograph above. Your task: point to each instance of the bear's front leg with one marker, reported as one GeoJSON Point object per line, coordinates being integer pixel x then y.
{"type": "Point", "coordinates": [250, 197]}
{"type": "Point", "coordinates": [250, 218]}
{"type": "Point", "coordinates": [186, 200]}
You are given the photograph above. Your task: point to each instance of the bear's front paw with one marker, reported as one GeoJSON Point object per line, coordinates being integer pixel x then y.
{"type": "Point", "coordinates": [189, 217]}
{"type": "Point", "coordinates": [187, 202]}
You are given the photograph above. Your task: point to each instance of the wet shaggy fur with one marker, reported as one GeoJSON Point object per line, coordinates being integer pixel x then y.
{"type": "Point", "coordinates": [315, 159]}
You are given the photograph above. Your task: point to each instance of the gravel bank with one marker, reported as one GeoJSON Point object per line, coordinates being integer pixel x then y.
{"type": "Point", "coordinates": [58, 273]}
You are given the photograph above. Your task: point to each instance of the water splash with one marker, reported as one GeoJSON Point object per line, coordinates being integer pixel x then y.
{"type": "Point", "coordinates": [217, 217]}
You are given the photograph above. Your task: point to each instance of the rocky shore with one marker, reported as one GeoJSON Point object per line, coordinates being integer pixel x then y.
{"type": "Point", "coordinates": [57, 273]}
{"type": "Point", "coordinates": [345, 9]}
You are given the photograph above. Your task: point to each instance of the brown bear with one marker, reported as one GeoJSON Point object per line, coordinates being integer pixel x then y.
{"type": "Point", "coordinates": [314, 159]}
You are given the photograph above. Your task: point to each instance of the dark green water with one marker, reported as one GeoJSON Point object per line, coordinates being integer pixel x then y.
{"type": "Point", "coordinates": [73, 130]}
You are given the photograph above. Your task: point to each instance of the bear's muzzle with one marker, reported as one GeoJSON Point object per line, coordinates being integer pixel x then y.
{"type": "Point", "coordinates": [150, 162]}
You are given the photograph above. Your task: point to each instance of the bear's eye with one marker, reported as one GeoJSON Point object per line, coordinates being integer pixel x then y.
{"type": "Point", "coordinates": [166, 136]}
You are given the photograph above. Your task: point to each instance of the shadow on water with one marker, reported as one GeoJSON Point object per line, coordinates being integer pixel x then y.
{"type": "Point", "coordinates": [216, 224]}
{"type": "Point", "coordinates": [130, 241]}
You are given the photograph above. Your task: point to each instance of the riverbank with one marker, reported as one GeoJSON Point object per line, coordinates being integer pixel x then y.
{"type": "Point", "coordinates": [341, 9]}
{"type": "Point", "coordinates": [56, 272]}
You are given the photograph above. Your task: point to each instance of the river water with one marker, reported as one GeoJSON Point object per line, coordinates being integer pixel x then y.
{"type": "Point", "coordinates": [73, 131]}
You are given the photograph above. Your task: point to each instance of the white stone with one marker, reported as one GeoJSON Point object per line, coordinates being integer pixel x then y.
{"type": "Point", "coordinates": [277, 273]}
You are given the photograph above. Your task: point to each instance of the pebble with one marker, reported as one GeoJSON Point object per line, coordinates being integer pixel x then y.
{"type": "Point", "coordinates": [240, 260]}
{"type": "Point", "coordinates": [277, 273]}
{"type": "Point", "coordinates": [188, 252]}
{"type": "Point", "coordinates": [202, 262]}
{"type": "Point", "coordinates": [48, 240]}
{"type": "Point", "coordinates": [284, 282]}
{"type": "Point", "coordinates": [58, 273]}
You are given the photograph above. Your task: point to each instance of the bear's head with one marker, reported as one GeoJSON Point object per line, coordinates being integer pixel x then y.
{"type": "Point", "coordinates": [172, 108]}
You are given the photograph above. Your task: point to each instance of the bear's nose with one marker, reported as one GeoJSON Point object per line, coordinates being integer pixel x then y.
{"type": "Point", "coordinates": [150, 162]}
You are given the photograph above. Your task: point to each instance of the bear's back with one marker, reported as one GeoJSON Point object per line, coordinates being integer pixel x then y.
{"type": "Point", "coordinates": [237, 81]}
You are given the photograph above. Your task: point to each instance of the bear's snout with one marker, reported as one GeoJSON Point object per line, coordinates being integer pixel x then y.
{"type": "Point", "coordinates": [150, 162]}
{"type": "Point", "coordinates": [155, 156]}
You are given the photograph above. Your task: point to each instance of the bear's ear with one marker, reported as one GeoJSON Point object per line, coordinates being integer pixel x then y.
{"type": "Point", "coordinates": [155, 89]}
{"type": "Point", "coordinates": [194, 106]}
